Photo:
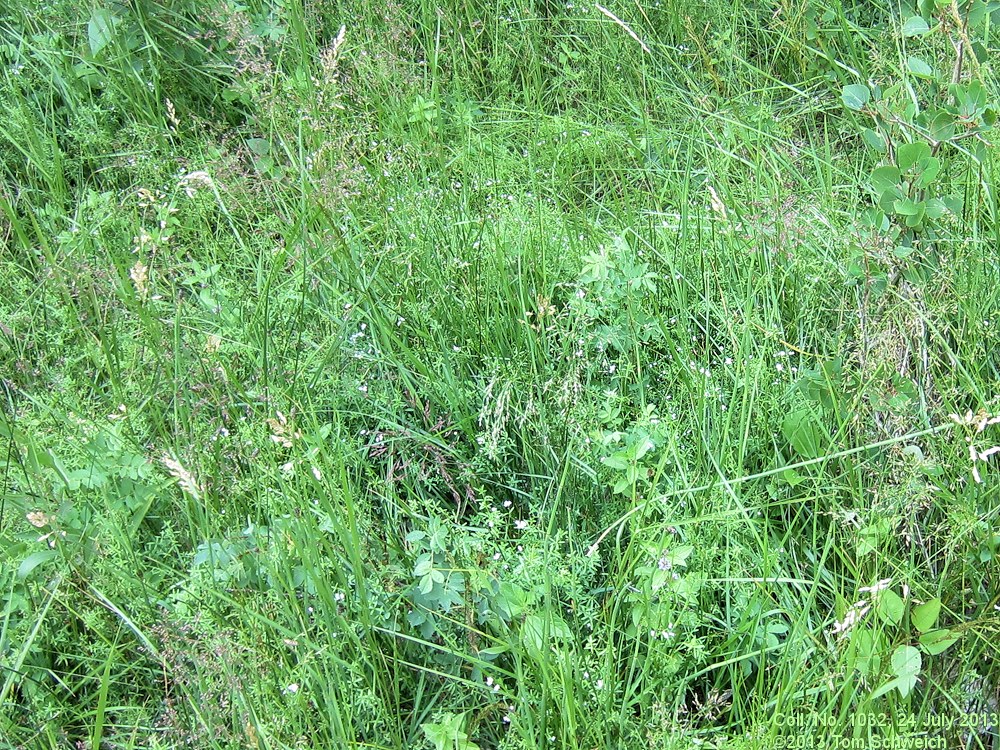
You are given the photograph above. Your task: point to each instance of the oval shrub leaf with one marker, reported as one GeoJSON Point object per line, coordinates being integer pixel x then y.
{"type": "Point", "coordinates": [920, 68]}
{"type": "Point", "coordinates": [905, 661]}
{"type": "Point", "coordinates": [855, 96]}
{"type": "Point", "coordinates": [915, 26]}
{"type": "Point", "coordinates": [890, 607]}
{"type": "Point", "coordinates": [924, 616]}
{"type": "Point", "coordinates": [937, 641]}
{"type": "Point", "coordinates": [874, 140]}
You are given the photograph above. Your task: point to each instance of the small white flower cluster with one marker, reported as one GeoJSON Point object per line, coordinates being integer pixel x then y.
{"type": "Point", "coordinates": [980, 421]}
{"type": "Point", "coordinates": [192, 182]}
{"type": "Point", "coordinates": [665, 635]}
{"type": "Point", "coordinates": [860, 608]}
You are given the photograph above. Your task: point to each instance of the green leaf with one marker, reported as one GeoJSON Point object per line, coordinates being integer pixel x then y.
{"type": "Point", "coordinates": [803, 433]}
{"type": "Point", "coordinates": [260, 146]}
{"type": "Point", "coordinates": [936, 208]}
{"type": "Point", "coordinates": [871, 536]}
{"type": "Point", "coordinates": [890, 607]}
{"type": "Point", "coordinates": [911, 153]}
{"type": "Point", "coordinates": [905, 661]}
{"type": "Point", "coordinates": [100, 30]}
{"type": "Point", "coordinates": [903, 684]}
{"type": "Point", "coordinates": [864, 652]}
{"type": "Point", "coordinates": [885, 186]}
{"type": "Point", "coordinates": [925, 615]}
{"type": "Point", "coordinates": [678, 556]}
{"type": "Point", "coordinates": [914, 220]}
{"type": "Point", "coordinates": [792, 477]}
{"type": "Point", "coordinates": [875, 140]}
{"type": "Point", "coordinates": [941, 126]}
{"type": "Point", "coordinates": [937, 641]}
{"type": "Point", "coordinates": [424, 565]}
{"type": "Point", "coordinates": [972, 100]}
{"type": "Point", "coordinates": [920, 68]}
{"type": "Point", "coordinates": [616, 461]}
{"type": "Point", "coordinates": [929, 169]}
{"type": "Point", "coordinates": [537, 628]}
{"type": "Point", "coordinates": [33, 560]}
{"type": "Point", "coordinates": [448, 734]}
{"type": "Point", "coordinates": [510, 600]}
{"type": "Point", "coordinates": [954, 203]}
{"type": "Point", "coordinates": [644, 446]}
{"type": "Point", "coordinates": [907, 207]}
{"type": "Point", "coordinates": [855, 96]}
{"type": "Point", "coordinates": [915, 26]}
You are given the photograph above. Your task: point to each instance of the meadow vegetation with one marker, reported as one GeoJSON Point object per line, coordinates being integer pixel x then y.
{"type": "Point", "coordinates": [519, 374]}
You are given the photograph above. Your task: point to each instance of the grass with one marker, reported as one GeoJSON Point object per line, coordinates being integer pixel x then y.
{"type": "Point", "coordinates": [465, 375]}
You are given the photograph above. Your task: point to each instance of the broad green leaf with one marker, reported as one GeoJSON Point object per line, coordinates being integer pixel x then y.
{"type": "Point", "coordinates": [616, 461]}
{"type": "Point", "coordinates": [801, 430]}
{"type": "Point", "coordinates": [875, 140]}
{"type": "Point", "coordinates": [937, 641]}
{"type": "Point", "coordinates": [449, 734]}
{"type": "Point", "coordinates": [644, 446]}
{"type": "Point", "coordinates": [972, 100]}
{"type": "Point", "coordinates": [890, 607]}
{"type": "Point", "coordinates": [424, 565]}
{"type": "Point", "coordinates": [855, 96]}
{"type": "Point", "coordinates": [792, 477]}
{"type": "Point", "coordinates": [936, 208]}
{"type": "Point", "coordinates": [915, 26]}
{"type": "Point", "coordinates": [941, 126]}
{"type": "Point", "coordinates": [915, 219]}
{"type": "Point", "coordinates": [907, 207]}
{"type": "Point", "coordinates": [100, 30]}
{"type": "Point", "coordinates": [677, 557]}
{"type": "Point", "coordinates": [660, 578]}
{"type": "Point", "coordinates": [925, 615]}
{"type": "Point", "coordinates": [491, 653]}
{"type": "Point", "coordinates": [537, 628]}
{"type": "Point", "coordinates": [870, 537]}
{"type": "Point", "coordinates": [981, 51]}
{"type": "Point", "coordinates": [510, 601]}
{"type": "Point", "coordinates": [919, 67]}
{"type": "Point", "coordinates": [905, 661]}
{"type": "Point", "coordinates": [929, 169]}
{"type": "Point", "coordinates": [903, 684]}
{"type": "Point", "coordinates": [260, 146]}
{"type": "Point", "coordinates": [864, 652]}
{"type": "Point", "coordinates": [427, 584]}
{"type": "Point", "coordinates": [976, 13]}
{"type": "Point", "coordinates": [953, 203]}
{"type": "Point", "coordinates": [911, 153]}
{"type": "Point", "coordinates": [885, 179]}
